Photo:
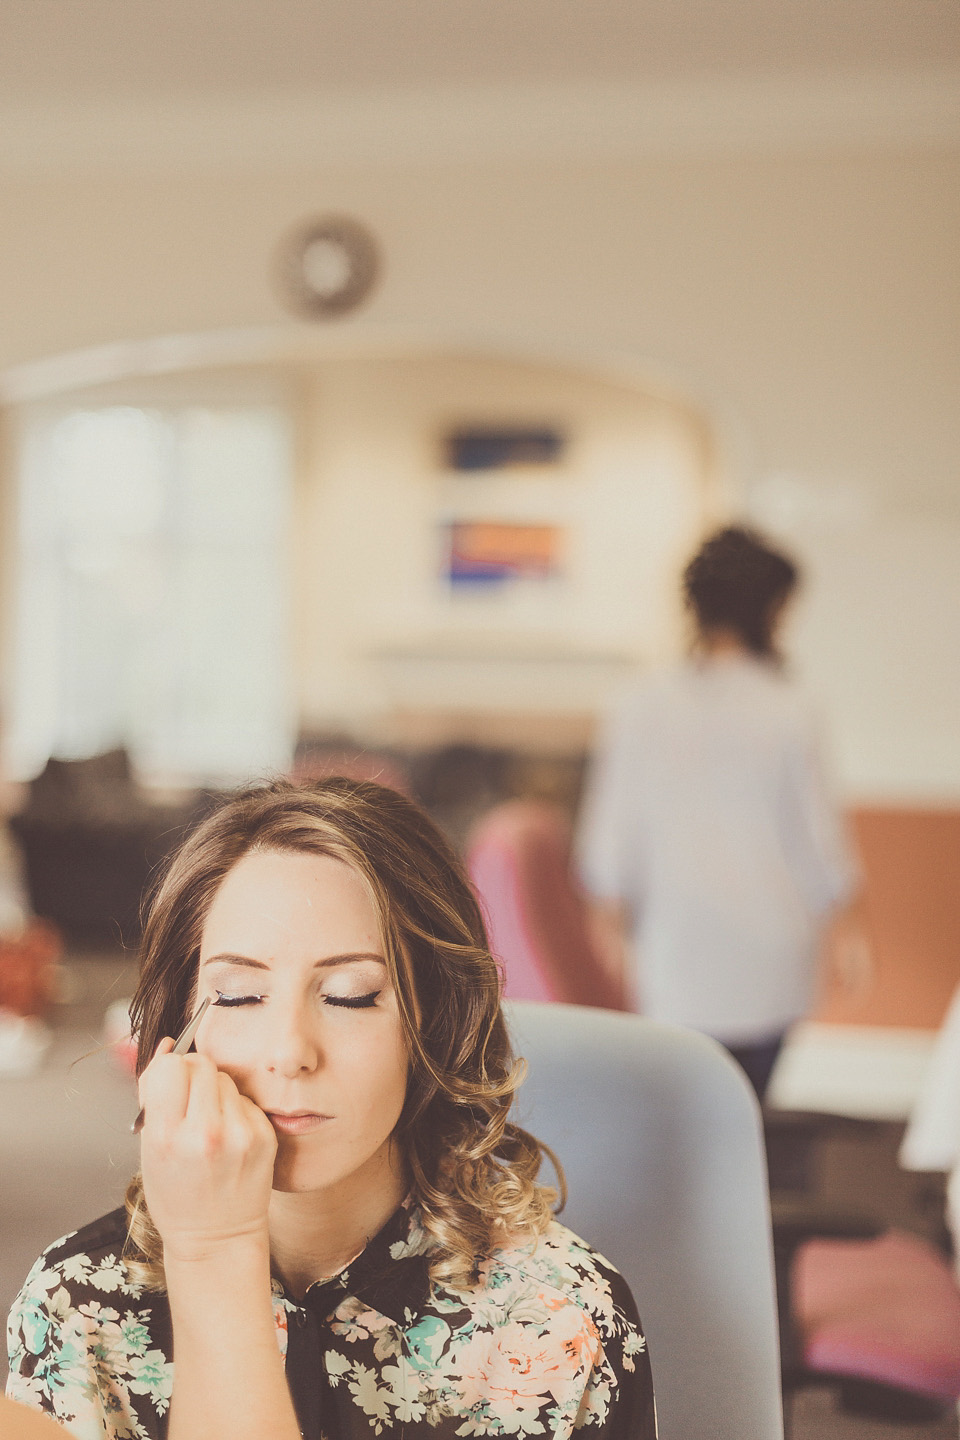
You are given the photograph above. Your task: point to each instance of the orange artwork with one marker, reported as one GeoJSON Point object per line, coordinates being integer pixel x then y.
{"type": "Point", "coordinates": [489, 552]}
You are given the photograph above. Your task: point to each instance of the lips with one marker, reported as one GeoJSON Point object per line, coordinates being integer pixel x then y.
{"type": "Point", "coordinates": [301, 1122]}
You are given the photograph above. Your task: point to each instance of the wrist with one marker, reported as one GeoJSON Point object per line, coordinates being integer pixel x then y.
{"type": "Point", "coordinates": [225, 1250]}
{"type": "Point", "coordinates": [219, 1285]}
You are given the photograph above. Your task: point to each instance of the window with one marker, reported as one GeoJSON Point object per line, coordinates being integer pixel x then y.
{"type": "Point", "coordinates": [152, 604]}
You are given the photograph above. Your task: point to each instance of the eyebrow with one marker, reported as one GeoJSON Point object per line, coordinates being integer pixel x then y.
{"type": "Point", "coordinates": [250, 964]}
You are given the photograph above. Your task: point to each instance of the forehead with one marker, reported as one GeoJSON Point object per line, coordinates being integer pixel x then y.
{"type": "Point", "coordinates": [282, 900]}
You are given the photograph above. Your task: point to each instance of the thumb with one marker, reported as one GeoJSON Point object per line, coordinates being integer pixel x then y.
{"type": "Point", "coordinates": [164, 1048]}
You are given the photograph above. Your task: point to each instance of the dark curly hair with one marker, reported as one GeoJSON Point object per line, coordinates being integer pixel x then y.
{"type": "Point", "coordinates": [474, 1173]}
{"type": "Point", "coordinates": [736, 581]}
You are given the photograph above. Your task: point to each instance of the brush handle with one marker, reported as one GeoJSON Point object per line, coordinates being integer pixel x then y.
{"type": "Point", "coordinates": [184, 1041]}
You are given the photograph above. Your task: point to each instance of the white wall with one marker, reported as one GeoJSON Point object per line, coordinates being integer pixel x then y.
{"type": "Point", "coordinates": [379, 630]}
{"type": "Point", "coordinates": [876, 636]}
{"type": "Point", "coordinates": [809, 304]}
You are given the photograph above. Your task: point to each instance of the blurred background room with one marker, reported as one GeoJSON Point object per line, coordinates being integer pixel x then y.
{"type": "Point", "coordinates": [368, 374]}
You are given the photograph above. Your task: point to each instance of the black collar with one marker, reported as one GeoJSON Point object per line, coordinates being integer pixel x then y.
{"type": "Point", "coordinates": [389, 1275]}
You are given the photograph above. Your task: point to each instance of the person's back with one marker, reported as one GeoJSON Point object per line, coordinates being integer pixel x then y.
{"type": "Point", "coordinates": [707, 821]}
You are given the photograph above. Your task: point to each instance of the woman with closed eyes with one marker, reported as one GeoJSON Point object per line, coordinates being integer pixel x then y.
{"type": "Point", "coordinates": [336, 1232]}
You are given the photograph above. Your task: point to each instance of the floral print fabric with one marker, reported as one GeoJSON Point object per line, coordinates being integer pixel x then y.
{"type": "Point", "coordinates": [546, 1344]}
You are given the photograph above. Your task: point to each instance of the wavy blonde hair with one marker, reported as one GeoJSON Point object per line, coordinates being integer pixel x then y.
{"type": "Point", "coordinates": [473, 1172]}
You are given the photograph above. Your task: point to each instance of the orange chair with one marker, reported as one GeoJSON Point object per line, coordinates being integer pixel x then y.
{"type": "Point", "coordinates": [518, 856]}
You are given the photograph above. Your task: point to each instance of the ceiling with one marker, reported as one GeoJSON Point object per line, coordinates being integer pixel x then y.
{"type": "Point", "coordinates": [104, 86]}
{"type": "Point", "coordinates": [91, 50]}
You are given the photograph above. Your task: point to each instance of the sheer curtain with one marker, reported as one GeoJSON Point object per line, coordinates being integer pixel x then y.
{"type": "Point", "coordinates": [152, 590]}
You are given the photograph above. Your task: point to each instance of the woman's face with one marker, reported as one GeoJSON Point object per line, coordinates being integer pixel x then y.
{"type": "Point", "coordinates": [304, 1017]}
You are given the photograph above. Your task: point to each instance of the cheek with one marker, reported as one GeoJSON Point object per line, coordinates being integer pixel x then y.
{"type": "Point", "coordinates": [377, 1072]}
{"type": "Point", "coordinates": [232, 1053]}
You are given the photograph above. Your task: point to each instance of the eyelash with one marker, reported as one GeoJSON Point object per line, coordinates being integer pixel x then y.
{"type": "Point", "coordinates": [353, 1002]}
{"type": "Point", "coordinates": [346, 1002]}
{"type": "Point", "coordinates": [234, 1000]}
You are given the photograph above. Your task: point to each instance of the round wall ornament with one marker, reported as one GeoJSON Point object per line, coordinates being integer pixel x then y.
{"type": "Point", "coordinates": [326, 267]}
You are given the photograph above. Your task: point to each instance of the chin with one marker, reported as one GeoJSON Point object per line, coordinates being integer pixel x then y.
{"type": "Point", "coordinates": [295, 1173]}
{"type": "Point", "coordinates": [292, 1178]}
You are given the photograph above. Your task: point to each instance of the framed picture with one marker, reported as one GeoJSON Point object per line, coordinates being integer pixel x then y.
{"type": "Point", "coordinates": [477, 448]}
{"type": "Point", "coordinates": [494, 553]}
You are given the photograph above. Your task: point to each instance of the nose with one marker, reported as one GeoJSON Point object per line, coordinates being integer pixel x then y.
{"type": "Point", "coordinates": [292, 1048]}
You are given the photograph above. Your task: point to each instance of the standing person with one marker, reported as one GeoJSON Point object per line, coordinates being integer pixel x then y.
{"type": "Point", "coordinates": [337, 1232]}
{"type": "Point", "coordinates": [708, 843]}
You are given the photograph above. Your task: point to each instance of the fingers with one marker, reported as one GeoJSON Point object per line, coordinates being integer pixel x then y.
{"type": "Point", "coordinates": [187, 1093]}
{"type": "Point", "coordinates": [164, 1084]}
{"type": "Point", "coordinates": [217, 1115]}
{"type": "Point", "coordinates": [181, 1091]}
{"type": "Point", "coordinates": [207, 1156]}
{"type": "Point", "coordinates": [164, 1048]}
{"type": "Point", "coordinates": [244, 1123]}
{"type": "Point", "coordinates": [203, 1099]}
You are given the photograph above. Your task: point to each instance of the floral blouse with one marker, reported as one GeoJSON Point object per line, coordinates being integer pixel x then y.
{"type": "Point", "coordinates": [547, 1344]}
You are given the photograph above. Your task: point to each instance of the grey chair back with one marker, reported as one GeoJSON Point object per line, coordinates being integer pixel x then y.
{"type": "Point", "coordinates": [660, 1138]}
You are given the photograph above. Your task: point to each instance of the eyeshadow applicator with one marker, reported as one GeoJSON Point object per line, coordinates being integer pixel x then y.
{"type": "Point", "coordinates": [184, 1041]}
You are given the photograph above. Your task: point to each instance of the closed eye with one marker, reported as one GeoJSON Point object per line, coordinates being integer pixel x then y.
{"type": "Point", "coordinates": [233, 1000]}
{"type": "Point", "coordinates": [353, 1002]}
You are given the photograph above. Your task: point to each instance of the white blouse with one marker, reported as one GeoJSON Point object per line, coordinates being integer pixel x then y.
{"type": "Point", "coordinates": [708, 816]}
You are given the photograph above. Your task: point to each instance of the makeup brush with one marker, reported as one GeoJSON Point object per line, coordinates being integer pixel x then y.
{"type": "Point", "coordinates": [184, 1041]}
